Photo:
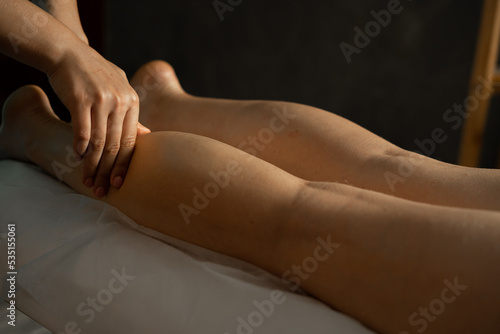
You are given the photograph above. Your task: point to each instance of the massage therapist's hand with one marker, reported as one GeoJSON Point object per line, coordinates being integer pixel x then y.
{"type": "Point", "coordinates": [104, 110]}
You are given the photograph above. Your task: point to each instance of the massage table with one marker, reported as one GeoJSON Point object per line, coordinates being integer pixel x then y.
{"type": "Point", "coordinates": [85, 267]}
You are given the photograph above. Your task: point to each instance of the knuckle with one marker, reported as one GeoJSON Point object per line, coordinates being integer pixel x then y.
{"type": "Point", "coordinates": [122, 72]}
{"type": "Point", "coordinates": [101, 97]}
{"type": "Point", "coordinates": [83, 136]}
{"type": "Point", "coordinates": [124, 102]}
{"type": "Point", "coordinates": [112, 148]}
{"type": "Point", "coordinates": [128, 142]}
{"type": "Point", "coordinates": [117, 99]}
{"type": "Point", "coordinates": [118, 103]}
{"type": "Point", "coordinates": [78, 95]}
{"type": "Point", "coordinates": [134, 97]}
{"type": "Point", "coordinates": [97, 143]}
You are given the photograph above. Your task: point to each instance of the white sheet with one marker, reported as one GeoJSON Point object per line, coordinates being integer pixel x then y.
{"type": "Point", "coordinates": [71, 248]}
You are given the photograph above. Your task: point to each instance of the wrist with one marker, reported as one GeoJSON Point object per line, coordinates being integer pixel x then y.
{"type": "Point", "coordinates": [73, 50]}
{"type": "Point", "coordinates": [67, 13]}
{"type": "Point", "coordinates": [83, 38]}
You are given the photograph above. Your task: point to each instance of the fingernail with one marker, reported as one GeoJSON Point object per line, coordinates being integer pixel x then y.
{"type": "Point", "coordinates": [100, 192]}
{"type": "Point", "coordinates": [118, 181]}
{"type": "Point", "coordinates": [89, 182]}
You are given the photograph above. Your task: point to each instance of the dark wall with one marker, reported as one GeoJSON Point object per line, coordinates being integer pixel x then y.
{"type": "Point", "coordinates": [398, 86]}
{"type": "Point", "coordinates": [15, 74]}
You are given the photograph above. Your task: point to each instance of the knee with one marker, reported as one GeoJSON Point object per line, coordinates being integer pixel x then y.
{"type": "Point", "coordinates": [311, 199]}
{"type": "Point", "coordinates": [400, 161]}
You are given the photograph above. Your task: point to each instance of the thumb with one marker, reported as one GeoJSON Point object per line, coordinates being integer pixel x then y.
{"type": "Point", "coordinates": [142, 130]}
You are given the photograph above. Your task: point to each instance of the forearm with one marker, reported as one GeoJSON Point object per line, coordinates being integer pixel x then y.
{"type": "Point", "coordinates": [32, 36]}
{"type": "Point", "coordinates": [67, 13]}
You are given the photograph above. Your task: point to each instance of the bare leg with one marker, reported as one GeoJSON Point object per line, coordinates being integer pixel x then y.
{"type": "Point", "coordinates": [311, 143]}
{"type": "Point", "coordinates": [394, 254]}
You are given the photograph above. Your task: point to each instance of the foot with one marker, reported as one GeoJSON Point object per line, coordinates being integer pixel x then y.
{"type": "Point", "coordinates": [158, 89]}
{"type": "Point", "coordinates": [25, 116]}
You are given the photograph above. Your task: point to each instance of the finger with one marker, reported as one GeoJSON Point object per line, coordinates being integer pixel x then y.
{"type": "Point", "coordinates": [129, 134]}
{"type": "Point", "coordinates": [81, 123]}
{"type": "Point", "coordinates": [110, 153]}
{"type": "Point", "coordinates": [96, 146]}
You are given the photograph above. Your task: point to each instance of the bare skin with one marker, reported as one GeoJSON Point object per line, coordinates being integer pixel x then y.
{"type": "Point", "coordinates": [312, 144]}
{"type": "Point", "coordinates": [67, 13]}
{"type": "Point", "coordinates": [103, 106]}
{"type": "Point", "coordinates": [393, 258]}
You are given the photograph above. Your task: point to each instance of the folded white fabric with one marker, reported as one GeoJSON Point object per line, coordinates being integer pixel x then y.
{"type": "Point", "coordinates": [84, 267]}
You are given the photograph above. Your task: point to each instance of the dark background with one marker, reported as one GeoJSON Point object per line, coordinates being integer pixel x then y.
{"type": "Point", "coordinates": [399, 86]}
